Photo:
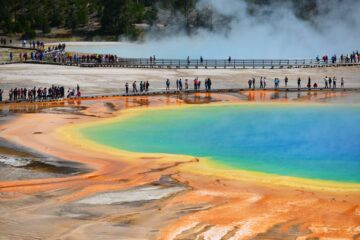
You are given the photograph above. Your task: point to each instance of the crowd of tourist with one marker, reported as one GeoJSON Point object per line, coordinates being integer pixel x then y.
{"type": "Point", "coordinates": [65, 57]}
{"type": "Point", "coordinates": [196, 81]}
{"type": "Point", "coordinates": [58, 92]}
{"type": "Point", "coordinates": [4, 41]}
{"type": "Point", "coordinates": [350, 58]}
{"type": "Point", "coordinates": [32, 44]}
{"type": "Point", "coordinates": [38, 53]}
{"type": "Point", "coordinates": [24, 43]}
{"type": "Point", "coordinates": [24, 56]}
{"type": "Point", "coordinates": [34, 94]}
{"type": "Point", "coordinates": [353, 57]}
{"type": "Point", "coordinates": [329, 82]}
{"type": "Point", "coordinates": [143, 87]}
{"type": "Point", "coordinates": [252, 82]}
{"type": "Point", "coordinates": [181, 85]}
{"type": "Point", "coordinates": [59, 47]}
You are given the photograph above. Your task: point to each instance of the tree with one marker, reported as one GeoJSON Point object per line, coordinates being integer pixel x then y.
{"type": "Point", "coordinates": [119, 17]}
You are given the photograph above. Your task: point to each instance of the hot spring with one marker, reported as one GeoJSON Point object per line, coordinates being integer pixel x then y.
{"type": "Point", "coordinates": [215, 47]}
{"type": "Point", "coordinates": [306, 141]}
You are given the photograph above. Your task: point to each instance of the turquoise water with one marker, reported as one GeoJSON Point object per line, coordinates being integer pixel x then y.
{"type": "Point", "coordinates": [317, 142]}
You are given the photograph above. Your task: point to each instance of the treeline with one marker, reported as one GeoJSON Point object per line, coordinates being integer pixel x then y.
{"type": "Point", "coordinates": [118, 17]}
{"type": "Point", "coordinates": [27, 16]}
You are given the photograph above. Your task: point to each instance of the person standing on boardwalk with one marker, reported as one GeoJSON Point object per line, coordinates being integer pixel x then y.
{"type": "Point", "coordinates": [277, 82]}
{"type": "Point", "coordinates": [167, 84]}
{"type": "Point", "coordinates": [249, 82]}
{"type": "Point", "coordinates": [309, 83]}
{"type": "Point", "coordinates": [134, 87]}
{"type": "Point", "coordinates": [127, 88]}
{"type": "Point", "coordinates": [209, 84]}
{"type": "Point", "coordinates": [261, 82]}
{"type": "Point", "coordinates": [177, 84]}
{"type": "Point", "coordinates": [334, 82]}
{"type": "Point", "coordinates": [10, 94]}
{"type": "Point", "coordinates": [78, 94]}
{"type": "Point", "coordinates": [147, 85]}
{"type": "Point", "coordinates": [330, 81]}
{"type": "Point", "coordinates": [1, 93]}
{"type": "Point", "coordinates": [180, 85]}
{"type": "Point", "coordinates": [299, 83]}
{"type": "Point", "coordinates": [186, 85]}
{"type": "Point", "coordinates": [342, 82]}
{"type": "Point", "coordinates": [253, 83]}
{"type": "Point", "coordinates": [141, 86]}
{"type": "Point", "coordinates": [264, 82]}
{"type": "Point", "coordinates": [286, 81]}
{"type": "Point", "coordinates": [326, 82]}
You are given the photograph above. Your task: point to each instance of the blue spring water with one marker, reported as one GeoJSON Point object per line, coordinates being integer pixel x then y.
{"type": "Point", "coordinates": [317, 142]}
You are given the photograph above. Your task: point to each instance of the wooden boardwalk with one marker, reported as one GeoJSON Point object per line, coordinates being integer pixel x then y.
{"type": "Point", "coordinates": [225, 90]}
{"type": "Point", "coordinates": [214, 64]}
{"type": "Point", "coordinates": [218, 64]}
{"type": "Point", "coordinates": [163, 92]}
{"type": "Point", "coordinates": [188, 63]}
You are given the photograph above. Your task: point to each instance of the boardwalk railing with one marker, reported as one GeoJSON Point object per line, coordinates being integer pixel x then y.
{"type": "Point", "coordinates": [214, 63]}
{"type": "Point", "coordinates": [194, 64]}
{"type": "Point", "coordinates": [59, 57]}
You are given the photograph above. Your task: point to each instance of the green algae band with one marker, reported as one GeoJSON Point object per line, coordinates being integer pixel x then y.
{"type": "Point", "coordinates": [317, 142]}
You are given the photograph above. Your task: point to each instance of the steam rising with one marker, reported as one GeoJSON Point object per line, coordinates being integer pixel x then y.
{"type": "Point", "coordinates": [273, 32]}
